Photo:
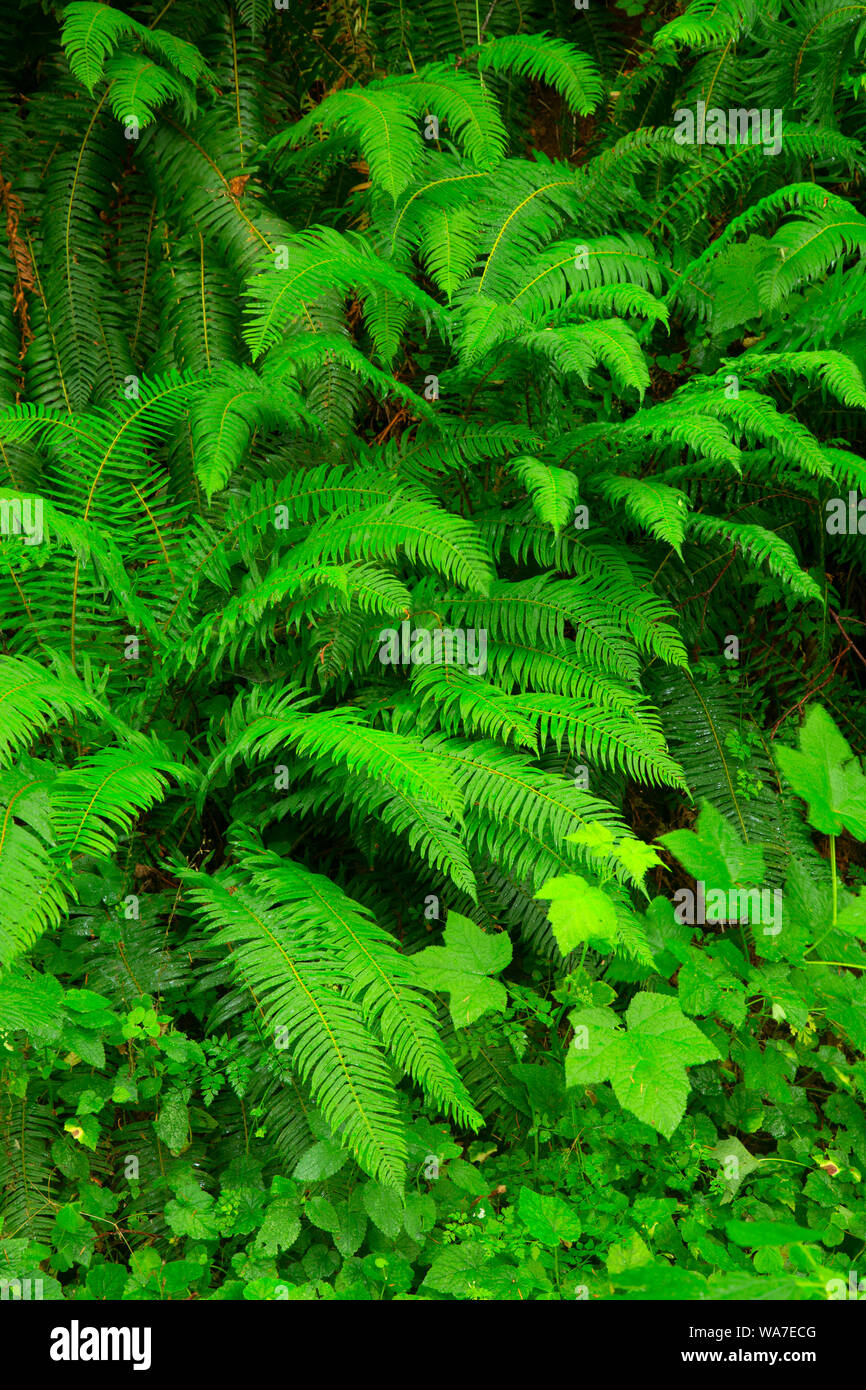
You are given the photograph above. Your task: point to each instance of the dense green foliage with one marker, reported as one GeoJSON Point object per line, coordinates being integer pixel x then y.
{"type": "Point", "coordinates": [431, 692]}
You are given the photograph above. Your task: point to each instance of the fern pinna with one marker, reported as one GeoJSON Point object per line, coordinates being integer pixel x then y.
{"type": "Point", "coordinates": [380, 461]}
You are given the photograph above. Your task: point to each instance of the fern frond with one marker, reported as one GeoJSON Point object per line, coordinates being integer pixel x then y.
{"type": "Point", "coordinates": [305, 266]}
{"type": "Point", "coordinates": [553, 491]}
{"type": "Point", "coordinates": [832, 371]}
{"type": "Point", "coordinates": [302, 994]}
{"type": "Point", "coordinates": [537, 611]}
{"type": "Point", "coordinates": [426, 532]}
{"type": "Point", "coordinates": [27, 1132]}
{"type": "Point", "coordinates": [761, 546]}
{"type": "Point", "coordinates": [102, 796]}
{"type": "Point", "coordinates": [225, 414]}
{"type": "Point", "coordinates": [449, 246]}
{"type": "Point", "coordinates": [344, 737]}
{"type": "Point", "coordinates": [709, 24]}
{"type": "Point", "coordinates": [381, 980]}
{"type": "Point", "coordinates": [661, 509]}
{"type": "Point", "coordinates": [634, 744]}
{"type": "Point", "coordinates": [562, 66]}
{"type": "Point", "coordinates": [91, 32]}
{"type": "Point", "coordinates": [34, 896]}
{"type": "Point", "coordinates": [31, 700]}
{"type": "Point", "coordinates": [138, 87]}
{"type": "Point", "coordinates": [461, 700]}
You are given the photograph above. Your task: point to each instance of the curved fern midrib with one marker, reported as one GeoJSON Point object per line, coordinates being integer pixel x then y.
{"type": "Point", "coordinates": [235, 202]}
{"type": "Point", "coordinates": [562, 658]}
{"type": "Point", "coordinates": [536, 193]}
{"type": "Point", "coordinates": [113, 773]}
{"type": "Point", "coordinates": [527, 787]}
{"type": "Point", "coordinates": [484, 695]}
{"type": "Point", "coordinates": [253, 394]}
{"type": "Point", "coordinates": [463, 101]}
{"type": "Point", "coordinates": [610, 596]}
{"type": "Point", "coordinates": [599, 730]}
{"type": "Point", "coordinates": [47, 312]}
{"type": "Point", "coordinates": [139, 76]}
{"type": "Point", "coordinates": [712, 727]}
{"type": "Point", "coordinates": [271, 309]}
{"type": "Point", "coordinates": [569, 260]}
{"type": "Point", "coordinates": [26, 605]}
{"type": "Point", "coordinates": [96, 21]}
{"type": "Point", "coordinates": [527, 832]}
{"type": "Point", "coordinates": [337, 1050]}
{"type": "Point", "coordinates": [387, 524]}
{"type": "Point", "coordinates": [722, 56]}
{"type": "Point", "coordinates": [690, 188]}
{"type": "Point", "coordinates": [419, 192]}
{"type": "Point", "coordinates": [234, 44]}
{"type": "Point", "coordinates": [12, 800]}
{"type": "Point", "coordinates": [70, 297]}
{"type": "Point", "coordinates": [364, 736]}
{"type": "Point", "coordinates": [823, 19]}
{"type": "Point", "coordinates": [139, 318]}
{"type": "Point", "coordinates": [560, 612]}
{"type": "Point", "coordinates": [255, 233]}
{"type": "Point", "coordinates": [383, 976]}
{"type": "Point", "coordinates": [127, 423]}
{"type": "Point", "coordinates": [155, 524]}
{"type": "Point", "coordinates": [203, 301]}
{"type": "Point", "coordinates": [828, 228]}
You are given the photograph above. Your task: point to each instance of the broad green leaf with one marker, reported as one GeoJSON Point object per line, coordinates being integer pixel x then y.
{"type": "Point", "coordinates": [280, 1228]}
{"type": "Point", "coordinates": [351, 1224]}
{"type": "Point", "coordinates": [320, 1161]}
{"type": "Point", "coordinates": [637, 857]}
{"type": "Point", "coordinates": [736, 1164]}
{"type": "Point", "coordinates": [463, 966]}
{"type": "Point", "coordinates": [754, 1235]}
{"type": "Point", "coordinates": [172, 1124]}
{"type": "Point", "coordinates": [631, 1253]}
{"type": "Point", "coordinates": [467, 1271]}
{"type": "Point", "coordinates": [35, 1004]}
{"type": "Point", "coordinates": [193, 1216]}
{"type": "Point", "coordinates": [714, 853]}
{"type": "Point", "coordinates": [647, 1065]}
{"type": "Point", "coordinates": [826, 774]}
{"type": "Point", "coordinates": [547, 1217]}
{"type": "Point", "coordinates": [384, 1208]}
{"type": "Point", "coordinates": [852, 917]}
{"type": "Point", "coordinates": [705, 985]}
{"type": "Point", "coordinates": [577, 911]}
{"type": "Point", "coordinates": [553, 491]}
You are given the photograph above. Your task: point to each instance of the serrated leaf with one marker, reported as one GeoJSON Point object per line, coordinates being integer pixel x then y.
{"type": "Point", "coordinates": [384, 1208]}
{"type": "Point", "coordinates": [826, 774]}
{"type": "Point", "coordinates": [172, 1123]}
{"type": "Point", "coordinates": [547, 1217]}
{"type": "Point", "coordinates": [714, 853]}
{"type": "Point", "coordinates": [647, 1065]}
{"type": "Point", "coordinates": [577, 911]}
{"type": "Point", "coordinates": [321, 1161]}
{"type": "Point", "coordinates": [463, 966]}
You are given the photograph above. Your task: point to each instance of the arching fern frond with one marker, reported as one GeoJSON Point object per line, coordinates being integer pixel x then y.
{"type": "Point", "coordinates": [301, 990]}
{"type": "Point", "coordinates": [550, 60]}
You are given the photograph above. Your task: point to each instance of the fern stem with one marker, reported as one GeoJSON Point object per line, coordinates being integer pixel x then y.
{"type": "Point", "coordinates": [845, 964]}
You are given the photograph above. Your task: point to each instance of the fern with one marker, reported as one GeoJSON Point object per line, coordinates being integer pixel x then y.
{"type": "Point", "coordinates": [339, 347]}
{"type": "Point", "coordinates": [557, 63]}
{"type": "Point", "coordinates": [298, 992]}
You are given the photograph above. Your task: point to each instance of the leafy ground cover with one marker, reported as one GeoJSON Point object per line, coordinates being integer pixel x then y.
{"type": "Point", "coordinates": [431, 686]}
